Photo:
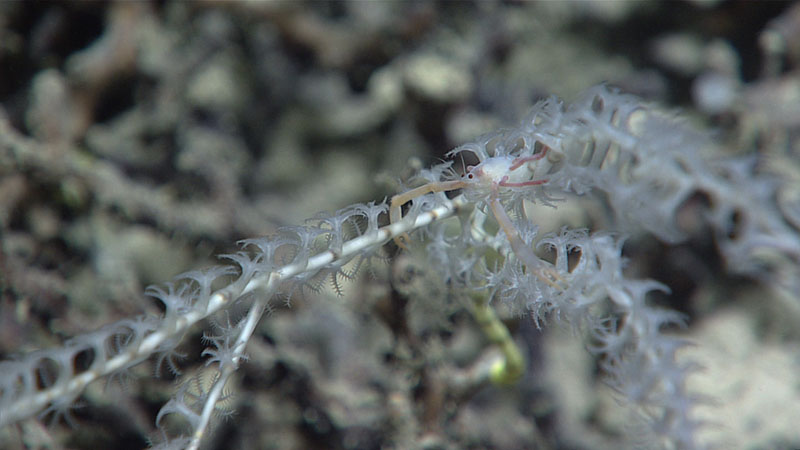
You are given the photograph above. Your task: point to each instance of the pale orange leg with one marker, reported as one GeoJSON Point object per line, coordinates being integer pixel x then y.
{"type": "Point", "coordinates": [396, 213]}
{"type": "Point", "coordinates": [522, 250]}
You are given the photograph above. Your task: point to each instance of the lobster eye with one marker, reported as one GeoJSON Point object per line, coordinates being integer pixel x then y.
{"type": "Point", "coordinates": [470, 176]}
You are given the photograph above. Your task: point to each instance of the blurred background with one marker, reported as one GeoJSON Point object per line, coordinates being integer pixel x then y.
{"type": "Point", "coordinates": [140, 139]}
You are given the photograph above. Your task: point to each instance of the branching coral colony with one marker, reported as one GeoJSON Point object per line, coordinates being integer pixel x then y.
{"type": "Point", "coordinates": [643, 162]}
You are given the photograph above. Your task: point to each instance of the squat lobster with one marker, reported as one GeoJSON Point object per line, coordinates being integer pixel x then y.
{"type": "Point", "coordinates": [487, 180]}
